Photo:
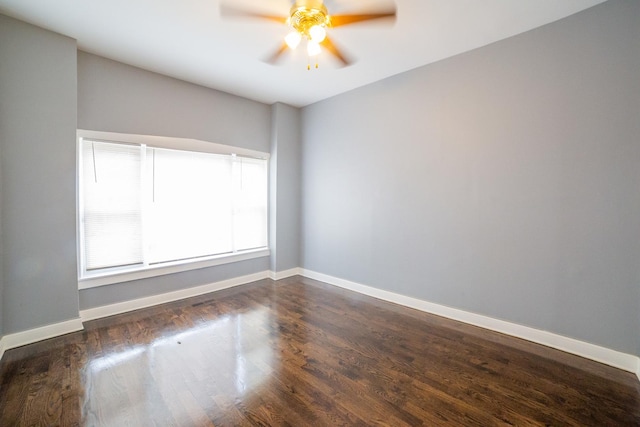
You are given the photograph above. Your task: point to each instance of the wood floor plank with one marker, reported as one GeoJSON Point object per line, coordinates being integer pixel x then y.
{"type": "Point", "coordinates": [300, 352]}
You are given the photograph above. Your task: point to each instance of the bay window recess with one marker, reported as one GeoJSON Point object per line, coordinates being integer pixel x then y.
{"type": "Point", "coordinates": [142, 207]}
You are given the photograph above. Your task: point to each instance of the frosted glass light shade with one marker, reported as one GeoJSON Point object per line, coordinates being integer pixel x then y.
{"type": "Point", "coordinates": [293, 39]}
{"type": "Point", "coordinates": [317, 33]}
{"type": "Point", "coordinates": [313, 48]}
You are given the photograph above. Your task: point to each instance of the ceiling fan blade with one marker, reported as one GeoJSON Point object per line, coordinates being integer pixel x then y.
{"type": "Point", "coordinates": [328, 44]}
{"type": "Point", "coordinates": [339, 20]}
{"type": "Point", "coordinates": [232, 12]}
{"type": "Point", "coordinates": [276, 55]}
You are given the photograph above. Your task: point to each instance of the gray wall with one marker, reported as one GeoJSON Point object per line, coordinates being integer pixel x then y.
{"type": "Point", "coordinates": [285, 187]}
{"type": "Point", "coordinates": [38, 157]}
{"type": "Point", "coordinates": [1, 238]}
{"type": "Point", "coordinates": [504, 181]}
{"type": "Point", "coordinates": [116, 97]}
{"type": "Point", "coordinates": [111, 294]}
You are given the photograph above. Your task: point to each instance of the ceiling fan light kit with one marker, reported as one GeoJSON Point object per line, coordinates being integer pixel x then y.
{"type": "Point", "coordinates": [309, 19]}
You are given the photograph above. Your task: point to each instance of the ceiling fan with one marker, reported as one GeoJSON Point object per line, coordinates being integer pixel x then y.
{"type": "Point", "coordinates": [309, 20]}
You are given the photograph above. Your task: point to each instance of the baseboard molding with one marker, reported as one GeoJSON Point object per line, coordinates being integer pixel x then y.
{"type": "Point", "coordinates": [30, 336]}
{"type": "Point", "coordinates": [627, 362]}
{"type": "Point", "coordinates": [50, 331]}
{"type": "Point", "coordinates": [600, 354]}
{"type": "Point", "coordinates": [131, 305]}
{"type": "Point", "coordinates": [279, 275]}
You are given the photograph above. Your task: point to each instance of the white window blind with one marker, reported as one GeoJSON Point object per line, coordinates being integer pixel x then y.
{"type": "Point", "coordinates": [190, 211]}
{"type": "Point", "coordinates": [112, 204]}
{"type": "Point", "coordinates": [144, 206]}
{"type": "Point", "coordinates": [250, 214]}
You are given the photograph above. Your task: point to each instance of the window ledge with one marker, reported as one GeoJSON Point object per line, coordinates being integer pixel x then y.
{"type": "Point", "coordinates": [101, 279]}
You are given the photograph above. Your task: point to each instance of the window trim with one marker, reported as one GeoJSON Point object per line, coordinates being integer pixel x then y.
{"type": "Point", "coordinates": [125, 275]}
{"type": "Point", "coordinates": [87, 280]}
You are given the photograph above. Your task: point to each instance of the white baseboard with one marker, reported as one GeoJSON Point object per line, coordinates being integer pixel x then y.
{"type": "Point", "coordinates": [600, 354]}
{"type": "Point", "coordinates": [279, 275]}
{"type": "Point", "coordinates": [30, 336]}
{"type": "Point", "coordinates": [50, 331]}
{"type": "Point", "coordinates": [627, 362]}
{"type": "Point", "coordinates": [125, 306]}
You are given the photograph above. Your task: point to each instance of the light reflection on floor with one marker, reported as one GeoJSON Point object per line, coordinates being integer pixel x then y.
{"type": "Point", "coordinates": [232, 353]}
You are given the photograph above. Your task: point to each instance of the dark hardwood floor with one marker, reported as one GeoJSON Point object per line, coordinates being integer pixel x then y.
{"type": "Point", "coordinates": [302, 353]}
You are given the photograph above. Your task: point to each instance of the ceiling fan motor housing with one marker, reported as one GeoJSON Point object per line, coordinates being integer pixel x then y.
{"type": "Point", "coordinates": [306, 14]}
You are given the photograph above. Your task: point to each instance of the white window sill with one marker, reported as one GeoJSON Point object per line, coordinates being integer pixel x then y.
{"type": "Point", "coordinates": [101, 279]}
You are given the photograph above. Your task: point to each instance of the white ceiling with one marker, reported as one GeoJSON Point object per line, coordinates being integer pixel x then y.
{"type": "Point", "coordinates": [187, 39]}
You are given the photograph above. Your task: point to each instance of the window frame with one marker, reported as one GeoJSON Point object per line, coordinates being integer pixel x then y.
{"type": "Point", "coordinates": [91, 279]}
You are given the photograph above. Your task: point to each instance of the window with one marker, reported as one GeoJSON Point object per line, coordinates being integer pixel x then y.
{"type": "Point", "coordinates": [142, 207]}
